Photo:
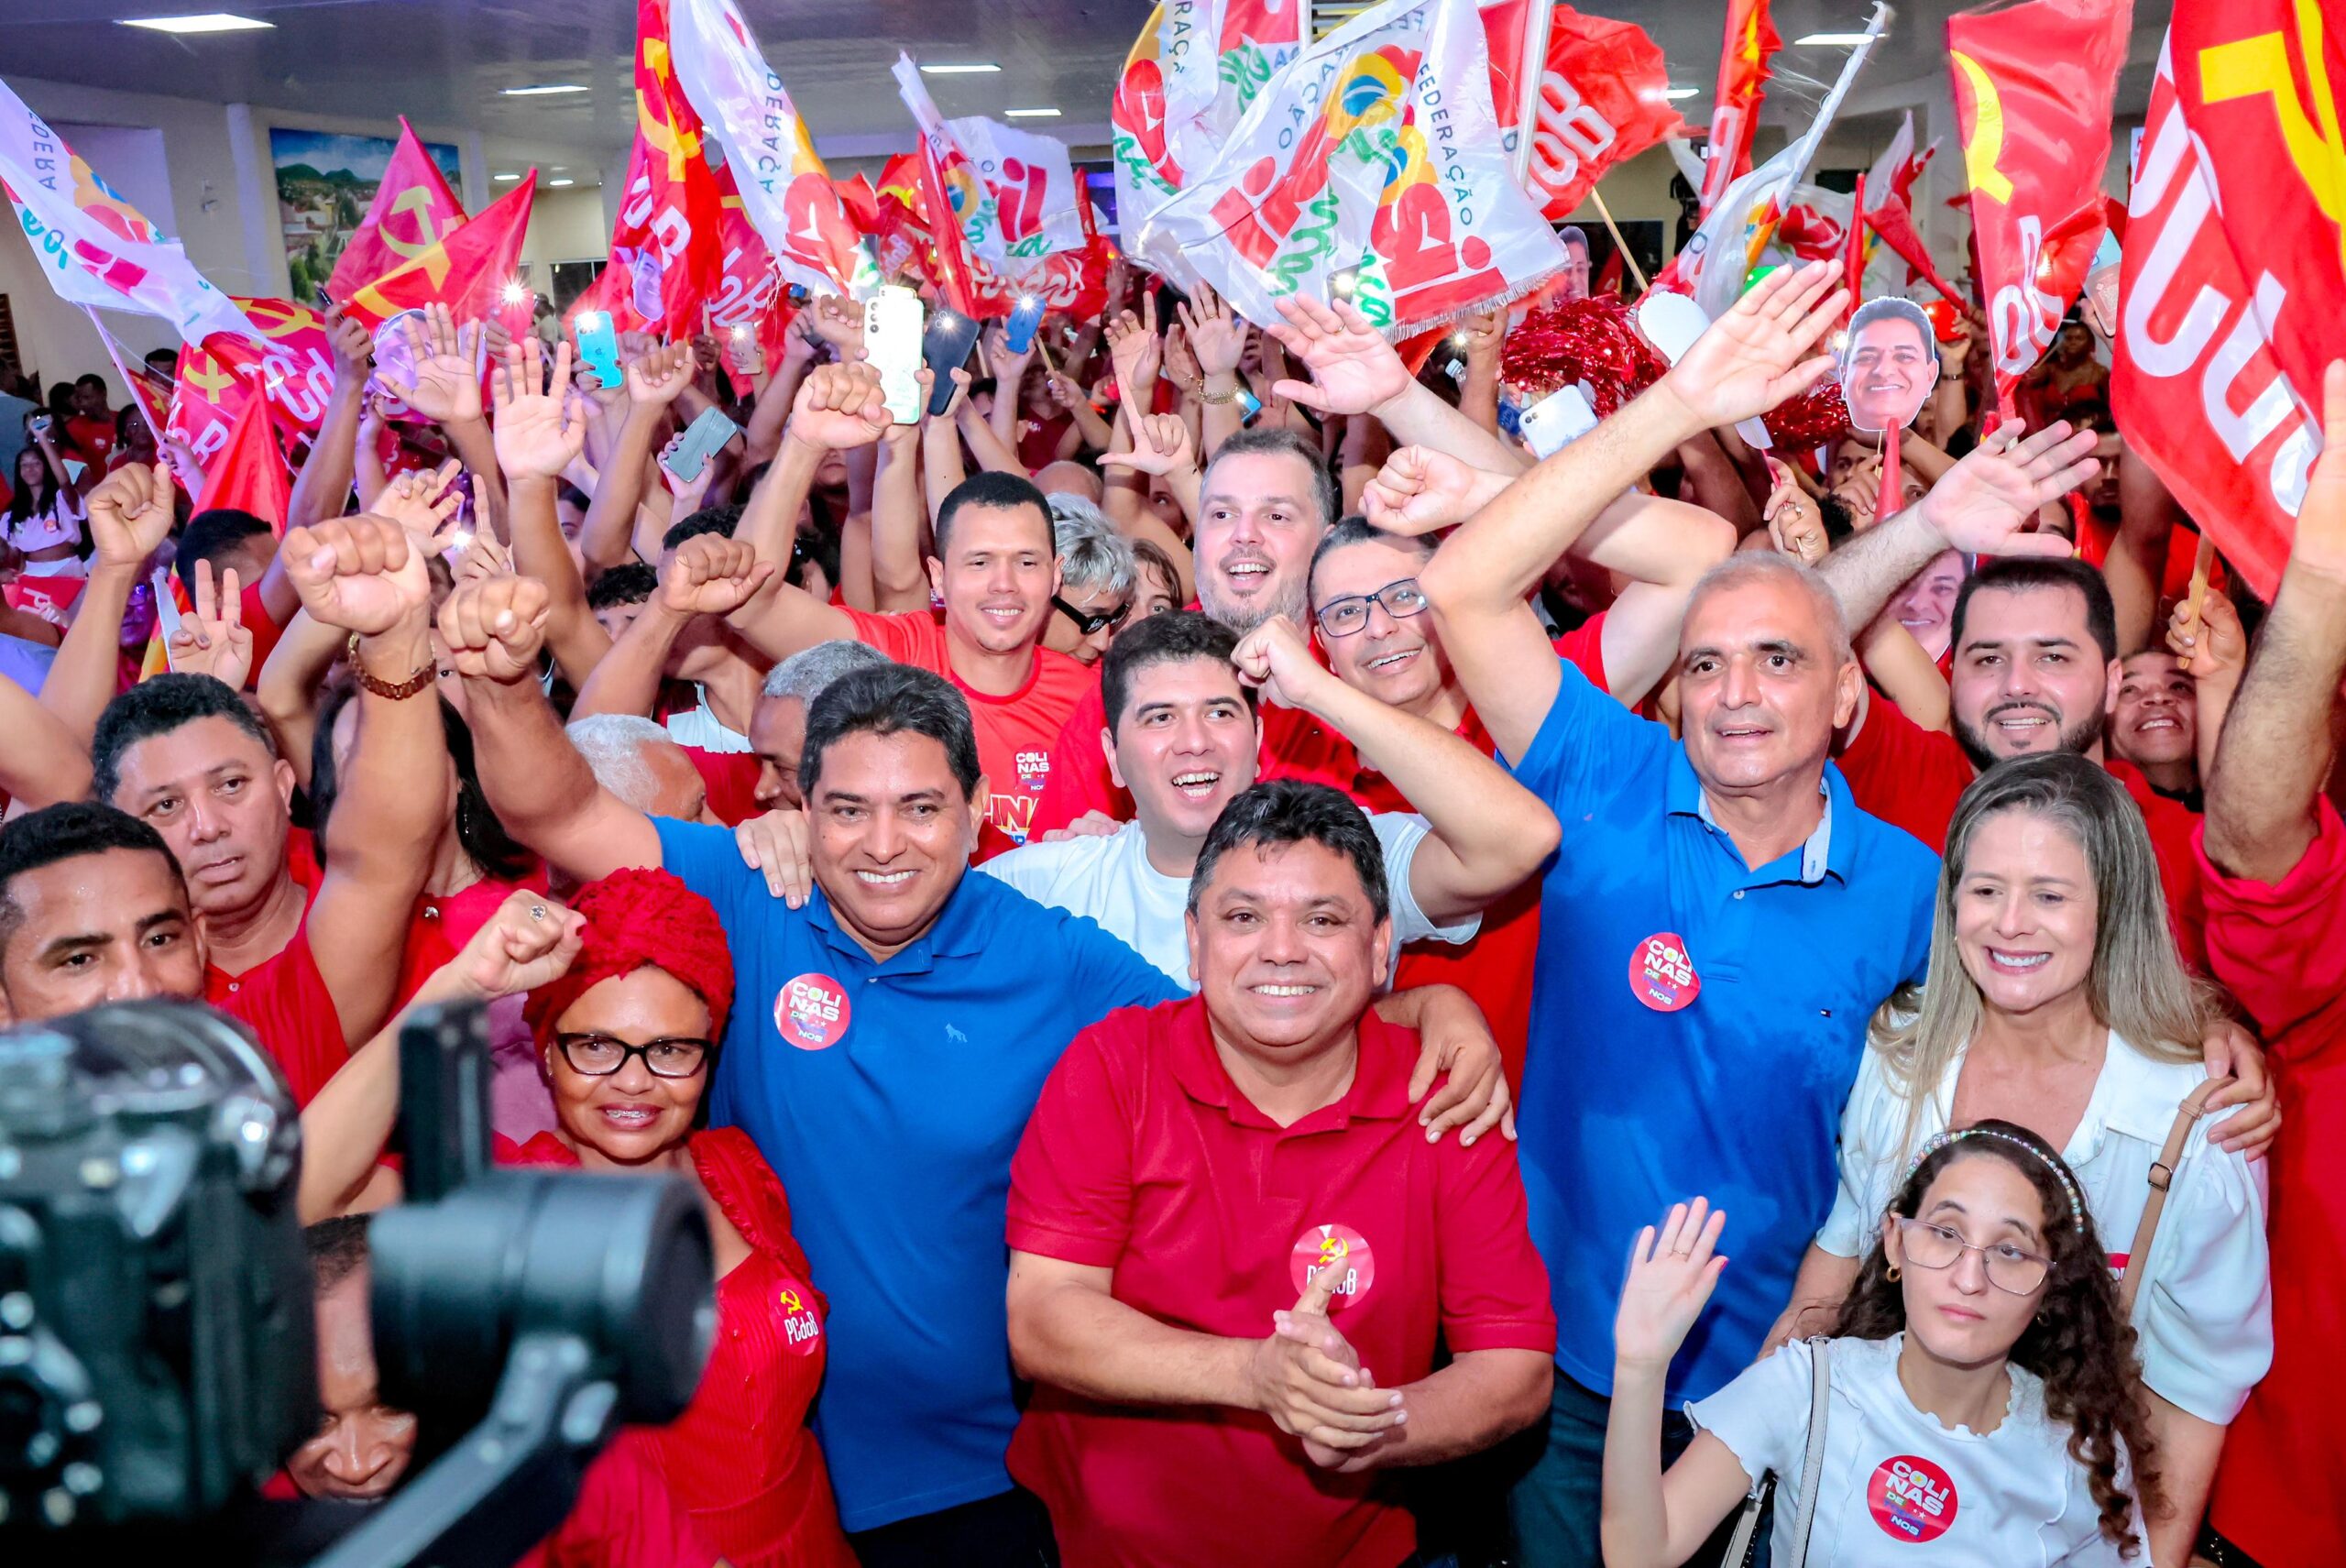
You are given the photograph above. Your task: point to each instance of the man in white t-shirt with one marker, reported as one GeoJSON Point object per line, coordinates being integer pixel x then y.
{"type": "Point", "coordinates": [1183, 737]}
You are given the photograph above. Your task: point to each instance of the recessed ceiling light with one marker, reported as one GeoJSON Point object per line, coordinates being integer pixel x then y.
{"type": "Point", "coordinates": [207, 22]}
{"type": "Point", "coordinates": [1674, 93]}
{"type": "Point", "coordinates": [972, 69]}
{"type": "Point", "coordinates": [558, 185]}
{"type": "Point", "coordinates": [1032, 113]}
{"type": "Point", "coordinates": [1830, 40]}
{"type": "Point", "coordinates": [544, 90]}
{"type": "Point", "coordinates": [506, 179]}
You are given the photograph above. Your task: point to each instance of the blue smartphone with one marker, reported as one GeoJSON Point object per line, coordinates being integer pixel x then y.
{"type": "Point", "coordinates": [1250, 402]}
{"type": "Point", "coordinates": [944, 347]}
{"type": "Point", "coordinates": [703, 440]}
{"type": "Point", "coordinates": [599, 346]}
{"type": "Point", "coordinates": [1018, 336]}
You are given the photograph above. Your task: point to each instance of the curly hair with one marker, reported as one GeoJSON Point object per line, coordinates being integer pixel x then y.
{"type": "Point", "coordinates": [2079, 1342]}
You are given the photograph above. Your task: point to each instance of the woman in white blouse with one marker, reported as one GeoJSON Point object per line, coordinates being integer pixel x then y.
{"type": "Point", "coordinates": [1983, 1402]}
{"type": "Point", "coordinates": [2055, 1000]}
{"type": "Point", "coordinates": [46, 526]}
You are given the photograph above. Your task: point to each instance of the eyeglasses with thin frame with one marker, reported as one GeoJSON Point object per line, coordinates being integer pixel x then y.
{"type": "Point", "coordinates": [1344, 617]}
{"type": "Point", "coordinates": [2012, 1269]}
{"type": "Point", "coordinates": [599, 1055]}
{"type": "Point", "coordinates": [1087, 621]}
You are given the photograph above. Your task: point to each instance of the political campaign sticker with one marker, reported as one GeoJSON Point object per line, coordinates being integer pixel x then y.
{"type": "Point", "coordinates": [802, 1330]}
{"type": "Point", "coordinates": [1662, 975]}
{"type": "Point", "coordinates": [1910, 1498]}
{"type": "Point", "coordinates": [1342, 1249]}
{"type": "Point", "coordinates": [1889, 362]}
{"type": "Point", "coordinates": [811, 1012]}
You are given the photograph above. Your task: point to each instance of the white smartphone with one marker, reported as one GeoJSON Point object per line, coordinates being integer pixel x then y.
{"type": "Point", "coordinates": [891, 334]}
{"type": "Point", "coordinates": [1556, 421]}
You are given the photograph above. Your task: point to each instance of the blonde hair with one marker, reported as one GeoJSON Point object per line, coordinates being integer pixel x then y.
{"type": "Point", "coordinates": [2137, 987]}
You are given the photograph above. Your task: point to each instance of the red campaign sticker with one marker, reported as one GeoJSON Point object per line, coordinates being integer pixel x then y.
{"type": "Point", "coordinates": [1910, 1498]}
{"type": "Point", "coordinates": [811, 1012]}
{"type": "Point", "coordinates": [1662, 975]}
{"type": "Point", "coordinates": [1338, 1247]}
{"type": "Point", "coordinates": [801, 1329]}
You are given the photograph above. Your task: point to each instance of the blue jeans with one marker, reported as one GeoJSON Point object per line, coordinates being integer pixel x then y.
{"type": "Point", "coordinates": [1557, 1505]}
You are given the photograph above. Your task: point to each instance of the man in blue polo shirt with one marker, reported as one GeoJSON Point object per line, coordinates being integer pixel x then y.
{"type": "Point", "coordinates": [1721, 920]}
{"type": "Point", "coordinates": [888, 1044]}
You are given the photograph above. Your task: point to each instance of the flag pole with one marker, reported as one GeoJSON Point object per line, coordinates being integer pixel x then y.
{"type": "Point", "coordinates": [1815, 134]}
{"type": "Point", "coordinates": [1620, 244]}
{"type": "Point", "coordinates": [1538, 16]}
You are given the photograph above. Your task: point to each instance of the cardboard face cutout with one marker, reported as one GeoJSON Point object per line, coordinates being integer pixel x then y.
{"type": "Point", "coordinates": [1890, 363]}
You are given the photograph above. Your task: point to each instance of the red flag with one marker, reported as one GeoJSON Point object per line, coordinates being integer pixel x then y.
{"type": "Point", "coordinates": [2202, 385]}
{"type": "Point", "coordinates": [666, 240]}
{"type": "Point", "coordinates": [861, 200]}
{"type": "Point", "coordinates": [748, 302]}
{"type": "Point", "coordinates": [2032, 89]}
{"type": "Point", "coordinates": [467, 271]}
{"type": "Point", "coordinates": [1746, 52]}
{"type": "Point", "coordinates": [1609, 277]}
{"type": "Point", "coordinates": [249, 473]}
{"type": "Point", "coordinates": [1602, 99]}
{"type": "Point", "coordinates": [153, 391]}
{"type": "Point", "coordinates": [413, 211]}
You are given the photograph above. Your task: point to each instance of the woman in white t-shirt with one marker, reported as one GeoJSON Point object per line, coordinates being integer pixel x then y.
{"type": "Point", "coordinates": [2055, 1000]}
{"type": "Point", "coordinates": [46, 525]}
{"type": "Point", "coordinates": [1984, 1405]}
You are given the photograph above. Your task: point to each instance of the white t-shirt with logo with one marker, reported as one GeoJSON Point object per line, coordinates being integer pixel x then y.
{"type": "Point", "coordinates": [1109, 877]}
{"type": "Point", "coordinates": [1896, 1487]}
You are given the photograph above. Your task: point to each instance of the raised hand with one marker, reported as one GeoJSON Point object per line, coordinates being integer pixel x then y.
{"type": "Point", "coordinates": [687, 493]}
{"type": "Point", "coordinates": [362, 572]}
{"type": "Point", "coordinates": [1671, 1273]}
{"type": "Point", "coordinates": [483, 557]}
{"type": "Point", "coordinates": [658, 376]}
{"type": "Point", "coordinates": [1160, 444]}
{"type": "Point", "coordinates": [743, 353]}
{"type": "Point", "coordinates": [839, 407]}
{"type": "Point", "coordinates": [2320, 544]}
{"type": "Point", "coordinates": [1216, 334]}
{"type": "Point", "coordinates": [421, 499]}
{"type": "Point", "coordinates": [837, 321]}
{"type": "Point", "coordinates": [1755, 355]}
{"type": "Point", "coordinates": [446, 388]}
{"type": "Point", "coordinates": [1275, 658]}
{"type": "Point", "coordinates": [130, 514]}
{"type": "Point", "coordinates": [1181, 365]}
{"type": "Point", "coordinates": [1134, 349]}
{"type": "Point", "coordinates": [213, 639]}
{"type": "Point", "coordinates": [1420, 490]}
{"type": "Point", "coordinates": [2214, 646]}
{"type": "Point", "coordinates": [711, 575]}
{"type": "Point", "coordinates": [353, 346]}
{"type": "Point", "coordinates": [538, 433]}
{"type": "Point", "coordinates": [494, 628]}
{"type": "Point", "coordinates": [1008, 369]}
{"type": "Point", "coordinates": [1353, 369]}
{"type": "Point", "coordinates": [775, 845]}
{"type": "Point", "coordinates": [1986, 503]}
{"type": "Point", "coordinates": [1310, 1383]}
{"type": "Point", "coordinates": [531, 940]}
{"type": "Point", "coordinates": [1795, 526]}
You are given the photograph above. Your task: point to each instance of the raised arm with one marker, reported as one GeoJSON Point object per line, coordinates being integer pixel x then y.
{"type": "Point", "coordinates": [130, 514]}
{"type": "Point", "coordinates": [1488, 833]}
{"type": "Point", "coordinates": [840, 408]}
{"type": "Point", "coordinates": [539, 434]}
{"type": "Point", "coordinates": [653, 381]}
{"type": "Point", "coordinates": [1355, 372]}
{"type": "Point", "coordinates": [898, 582]}
{"type": "Point", "coordinates": [41, 760]}
{"type": "Point", "coordinates": [365, 576]}
{"type": "Point", "coordinates": [2277, 742]}
{"type": "Point", "coordinates": [708, 576]}
{"type": "Point", "coordinates": [1156, 446]}
{"type": "Point", "coordinates": [447, 390]}
{"type": "Point", "coordinates": [2214, 650]}
{"type": "Point", "coordinates": [540, 787]}
{"type": "Point", "coordinates": [323, 487]}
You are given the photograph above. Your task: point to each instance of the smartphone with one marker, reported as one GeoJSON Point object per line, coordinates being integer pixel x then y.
{"type": "Point", "coordinates": [1250, 402]}
{"type": "Point", "coordinates": [325, 300]}
{"type": "Point", "coordinates": [944, 347]}
{"type": "Point", "coordinates": [1556, 421]}
{"type": "Point", "coordinates": [704, 439]}
{"type": "Point", "coordinates": [599, 346]}
{"type": "Point", "coordinates": [40, 423]}
{"type": "Point", "coordinates": [892, 342]}
{"type": "Point", "coordinates": [1343, 282]}
{"type": "Point", "coordinates": [1019, 335]}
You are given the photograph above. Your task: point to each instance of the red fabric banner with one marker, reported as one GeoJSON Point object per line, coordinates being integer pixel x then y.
{"type": "Point", "coordinates": [413, 210]}
{"type": "Point", "coordinates": [1600, 100]}
{"type": "Point", "coordinates": [1747, 51]}
{"type": "Point", "coordinates": [249, 473]}
{"type": "Point", "coordinates": [665, 243]}
{"type": "Point", "coordinates": [467, 271]}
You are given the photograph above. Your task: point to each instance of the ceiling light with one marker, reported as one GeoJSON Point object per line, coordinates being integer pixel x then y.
{"type": "Point", "coordinates": [544, 90]}
{"type": "Point", "coordinates": [1676, 93]}
{"type": "Point", "coordinates": [1831, 40]}
{"type": "Point", "coordinates": [506, 179]}
{"type": "Point", "coordinates": [207, 22]}
{"type": "Point", "coordinates": [973, 70]}
{"type": "Point", "coordinates": [558, 185]}
{"type": "Point", "coordinates": [1032, 113]}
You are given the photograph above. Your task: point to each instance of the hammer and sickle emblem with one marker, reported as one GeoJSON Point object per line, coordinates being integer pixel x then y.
{"type": "Point", "coordinates": [791, 1303]}
{"type": "Point", "coordinates": [206, 376]}
{"type": "Point", "coordinates": [1987, 143]}
{"type": "Point", "coordinates": [2259, 66]}
{"type": "Point", "coordinates": [656, 129]}
{"type": "Point", "coordinates": [417, 201]}
{"type": "Point", "coordinates": [1331, 1251]}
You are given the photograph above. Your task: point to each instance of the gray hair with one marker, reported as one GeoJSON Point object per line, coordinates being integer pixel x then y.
{"type": "Point", "coordinates": [1766, 566]}
{"type": "Point", "coordinates": [1093, 557]}
{"type": "Point", "coordinates": [614, 745]}
{"type": "Point", "coordinates": [809, 674]}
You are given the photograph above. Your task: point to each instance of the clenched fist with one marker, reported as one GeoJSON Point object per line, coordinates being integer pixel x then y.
{"type": "Point", "coordinates": [494, 628]}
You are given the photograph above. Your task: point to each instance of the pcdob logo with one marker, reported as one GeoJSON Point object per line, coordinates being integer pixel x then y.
{"type": "Point", "coordinates": [801, 1329]}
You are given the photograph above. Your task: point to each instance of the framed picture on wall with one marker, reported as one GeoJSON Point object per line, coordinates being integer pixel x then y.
{"type": "Point", "coordinates": [324, 183]}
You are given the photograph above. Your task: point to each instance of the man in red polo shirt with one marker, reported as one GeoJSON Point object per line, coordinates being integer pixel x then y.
{"type": "Point", "coordinates": [2273, 852]}
{"type": "Point", "coordinates": [310, 965]}
{"type": "Point", "coordinates": [1233, 1251]}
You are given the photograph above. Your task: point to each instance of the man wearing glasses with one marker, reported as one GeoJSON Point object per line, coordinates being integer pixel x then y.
{"type": "Point", "coordinates": [1184, 738]}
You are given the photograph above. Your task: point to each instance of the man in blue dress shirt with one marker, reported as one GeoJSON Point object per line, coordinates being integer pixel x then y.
{"type": "Point", "coordinates": [1721, 920]}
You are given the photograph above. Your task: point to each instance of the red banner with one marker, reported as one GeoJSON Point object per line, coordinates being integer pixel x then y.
{"type": "Point", "coordinates": [748, 302]}
{"type": "Point", "coordinates": [2034, 84]}
{"type": "Point", "coordinates": [665, 244]}
{"type": "Point", "coordinates": [249, 473]}
{"type": "Point", "coordinates": [2201, 385]}
{"type": "Point", "coordinates": [467, 271]}
{"type": "Point", "coordinates": [1746, 52]}
{"type": "Point", "coordinates": [293, 364]}
{"type": "Point", "coordinates": [1600, 102]}
{"type": "Point", "coordinates": [413, 210]}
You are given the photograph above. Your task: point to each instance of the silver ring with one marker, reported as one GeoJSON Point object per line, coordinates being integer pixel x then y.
{"type": "Point", "coordinates": [537, 912]}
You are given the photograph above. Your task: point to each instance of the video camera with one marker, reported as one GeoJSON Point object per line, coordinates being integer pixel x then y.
{"type": "Point", "coordinates": [156, 1339]}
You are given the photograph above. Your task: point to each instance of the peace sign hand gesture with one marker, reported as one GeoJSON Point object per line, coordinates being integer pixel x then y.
{"type": "Point", "coordinates": [213, 639]}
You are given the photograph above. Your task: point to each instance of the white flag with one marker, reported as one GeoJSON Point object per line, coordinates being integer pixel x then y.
{"type": "Point", "coordinates": [94, 248]}
{"type": "Point", "coordinates": [1379, 139]}
{"type": "Point", "coordinates": [1032, 183]}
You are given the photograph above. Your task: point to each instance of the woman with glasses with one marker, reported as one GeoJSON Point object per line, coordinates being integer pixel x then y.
{"type": "Point", "coordinates": [2055, 1000]}
{"type": "Point", "coordinates": [1097, 580]}
{"type": "Point", "coordinates": [1983, 1400]}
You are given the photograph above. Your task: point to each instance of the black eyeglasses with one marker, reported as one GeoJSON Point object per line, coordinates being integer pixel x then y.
{"type": "Point", "coordinates": [599, 1055]}
{"type": "Point", "coordinates": [1342, 618]}
{"type": "Point", "coordinates": [1087, 621]}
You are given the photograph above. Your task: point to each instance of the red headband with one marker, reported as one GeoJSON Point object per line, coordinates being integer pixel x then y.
{"type": "Point", "coordinates": [638, 920]}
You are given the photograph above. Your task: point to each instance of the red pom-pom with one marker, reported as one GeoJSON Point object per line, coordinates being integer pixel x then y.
{"type": "Point", "coordinates": [1817, 418]}
{"type": "Point", "coordinates": [1592, 340]}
